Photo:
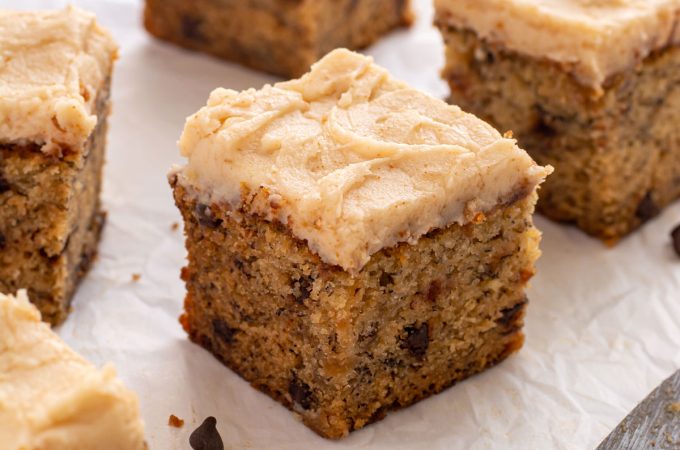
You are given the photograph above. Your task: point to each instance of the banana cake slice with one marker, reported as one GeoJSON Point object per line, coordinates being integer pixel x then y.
{"type": "Point", "coordinates": [354, 244]}
{"type": "Point", "coordinates": [55, 72]}
{"type": "Point", "coordinates": [53, 399]}
{"type": "Point", "coordinates": [283, 37]}
{"type": "Point", "coordinates": [591, 87]}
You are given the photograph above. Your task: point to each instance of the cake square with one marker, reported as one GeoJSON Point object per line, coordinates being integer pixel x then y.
{"type": "Point", "coordinates": [590, 87]}
{"type": "Point", "coordinates": [54, 102]}
{"type": "Point", "coordinates": [282, 37]}
{"type": "Point", "coordinates": [52, 398]}
{"type": "Point", "coordinates": [354, 244]}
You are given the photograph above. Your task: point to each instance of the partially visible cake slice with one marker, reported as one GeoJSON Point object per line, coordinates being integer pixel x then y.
{"type": "Point", "coordinates": [53, 399]}
{"type": "Point", "coordinates": [354, 245]}
{"type": "Point", "coordinates": [591, 87]}
{"type": "Point", "coordinates": [282, 37]}
{"type": "Point", "coordinates": [55, 75]}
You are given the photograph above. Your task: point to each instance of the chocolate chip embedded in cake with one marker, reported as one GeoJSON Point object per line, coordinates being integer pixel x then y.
{"type": "Point", "coordinates": [281, 37]}
{"type": "Point", "coordinates": [54, 103]}
{"type": "Point", "coordinates": [52, 398]}
{"type": "Point", "coordinates": [590, 87]}
{"type": "Point", "coordinates": [354, 245]}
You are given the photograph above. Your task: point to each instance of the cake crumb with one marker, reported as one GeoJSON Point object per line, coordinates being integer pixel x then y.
{"type": "Point", "coordinates": [174, 226]}
{"type": "Point", "coordinates": [136, 277]}
{"type": "Point", "coordinates": [673, 408]}
{"type": "Point", "coordinates": [175, 421]}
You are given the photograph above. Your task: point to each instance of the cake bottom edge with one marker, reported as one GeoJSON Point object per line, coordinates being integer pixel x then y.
{"type": "Point", "coordinates": [511, 344]}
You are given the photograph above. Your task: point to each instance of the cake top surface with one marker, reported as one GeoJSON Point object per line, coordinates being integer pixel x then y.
{"type": "Point", "coordinates": [596, 38]}
{"type": "Point", "coordinates": [351, 159]}
{"type": "Point", "coordinates": [52, 65]}
{"type": "Point", "coordinates": [52, 398]}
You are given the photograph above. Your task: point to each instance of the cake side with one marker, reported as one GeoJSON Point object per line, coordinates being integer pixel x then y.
{"type": "Point", "coordinates": [283, 38]}
{"type": "Point", "coordinates": [343, 349]}
{"type": "Point", "coordinates": [50, 397]}
{"type": "Point", "coordinates": [616, 153]}
{"type": "Point", "coordinates": [363, 23]}
{"type": "Point", "coordinates": [44, 99]}
{"type": "Point", "coordinates": [352, 160]}
{"type": "Point", "coordinates": [592, 40]}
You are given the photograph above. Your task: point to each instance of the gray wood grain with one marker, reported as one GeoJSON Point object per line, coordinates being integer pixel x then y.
{"type": "Point", "coordinates": [653, 424]}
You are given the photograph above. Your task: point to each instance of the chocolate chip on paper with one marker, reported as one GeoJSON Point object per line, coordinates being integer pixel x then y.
{"type": "Point", "coordinates": [206, 437]}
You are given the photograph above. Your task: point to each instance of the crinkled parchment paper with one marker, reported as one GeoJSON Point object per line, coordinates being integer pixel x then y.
{"type": "Point", "coordinates": [603, 326]}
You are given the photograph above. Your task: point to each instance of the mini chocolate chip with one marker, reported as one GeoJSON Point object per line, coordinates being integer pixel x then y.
{"type": "Point", "coordinates": [191, 28]}
{"type": "Point", "coordinates": [4, 184]}
{"type": "Point", "coordinates": [393, 363]}
{"type": "Point", "coordinates": [302, 288]}
{"type": "Point", "coordinates": [379, 414]}
{"type": "Point", "coordinates": [224, 331]}
{"type": "Point", "coordinates": [386, 279]}
{"type": "Point", "coordinates": [206, 437]}
{"type": "Point", "coordinates": [364, 376]}
{"type": "Point", "coordinates": [543, 122]}
{"type": "Point", "coordinates": [301, 393]}
{"type": "Point", "coordinates": [647, 209]}
{"type": "Point", "coordinates": [417, 339]}
{"type": "Point", "coordinates": [541, 127]}
{"type": "Point", "coordinates": [434, 290]}
{"type": "Point", "coordinates": [675, 234]}
{"type": "Point", "coordinates": [205, 216]}
{"type": "Point", "coordinates": [3, 241]}
{"type": "Point", "coordinates": [510, 315]}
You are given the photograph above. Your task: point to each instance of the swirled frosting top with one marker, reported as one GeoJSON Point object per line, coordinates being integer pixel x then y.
{"type": "Point", "coordinates": [52, 398]}
{"type": "Point", "coordinates": [596, 38]}
{"type": "Point", "coordinates": [52, 65]}
{"type": "Point", "coordinates": [353, 160]}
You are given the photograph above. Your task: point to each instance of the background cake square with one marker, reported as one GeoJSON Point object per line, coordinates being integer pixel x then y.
{"type": "Point", "coordinates": [280, 37]}
{"type": "Point", "coordinates": [54, 102]}
{"type": "Point", "coordinates": [354, 245]}
{"type": "Point", "coordinates": [592, 88]}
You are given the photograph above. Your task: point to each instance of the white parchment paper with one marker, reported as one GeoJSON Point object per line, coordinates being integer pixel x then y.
{"type": "Point", "coordinates": [603, 326]}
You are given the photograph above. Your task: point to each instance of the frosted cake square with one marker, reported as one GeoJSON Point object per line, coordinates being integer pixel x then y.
{"type": "Point", "coordinates": [590, 87]}
{"type": "Point", "coordinates": [354, 244]}
{"type": "Point", "coordinates": [54, 103]}
{"type": "Point", "coordinates": [52, 398]}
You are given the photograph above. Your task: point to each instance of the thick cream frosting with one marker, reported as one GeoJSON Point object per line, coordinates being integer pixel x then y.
{"type": "Point", "coordinates": [52, 398]}
{"type": "Point", "coordinates": [596, 38]}
{"type": "Point", "coordinates": [353, 160]}
{"type": "Point", "coordinates": [52, 65]}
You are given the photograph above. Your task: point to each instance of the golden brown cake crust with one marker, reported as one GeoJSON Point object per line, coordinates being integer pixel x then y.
{"type": "Point", "coordinates": [341, 350]}
{"type": "Point", "coordinates": [616, 151]}
{"type": "Point", "coordinates": [282, 37]}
